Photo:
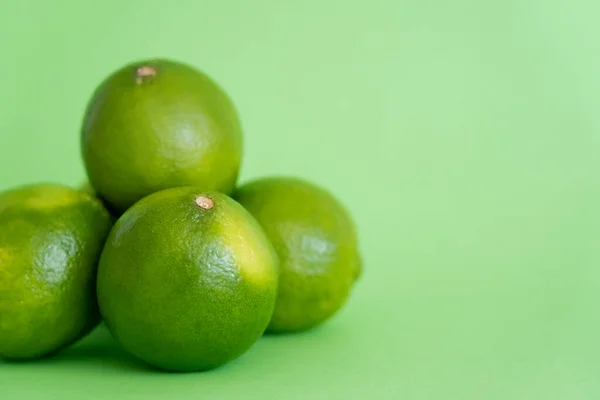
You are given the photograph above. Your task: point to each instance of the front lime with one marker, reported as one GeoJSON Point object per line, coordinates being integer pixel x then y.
{"type": "Point", "coordinates": [187, 280]}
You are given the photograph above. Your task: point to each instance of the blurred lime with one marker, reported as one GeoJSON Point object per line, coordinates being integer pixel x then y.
{"type": "Point", "coordinates": [316, 243]}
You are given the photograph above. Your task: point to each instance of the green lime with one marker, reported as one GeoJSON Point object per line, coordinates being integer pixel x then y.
{"type": "Point", "coordinates": [187, 280]}
{"type": "Point", "coordinates": [316, 242]}
{"type": "Point", "coordinates": [158, 124]}
{"type": "Point", "coordinates": [51, 238]}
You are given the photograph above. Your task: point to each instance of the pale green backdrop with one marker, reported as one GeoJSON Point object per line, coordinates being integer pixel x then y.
{"type": "Point", "coordinates": [464, 136]}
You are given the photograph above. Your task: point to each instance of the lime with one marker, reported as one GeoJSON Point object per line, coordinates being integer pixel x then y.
{"type": "Point", "coordinates": [51, 238]}
{"type": "Point", "coordinates": [316, 243]}
{"type": "Point", "coordinates": [187, 280]}
{"type": "Point", "coordinates": [158, 124]}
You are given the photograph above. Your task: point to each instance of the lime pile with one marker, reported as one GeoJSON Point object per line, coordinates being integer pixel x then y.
{"type": "Point", "coordinates": [195, 268]}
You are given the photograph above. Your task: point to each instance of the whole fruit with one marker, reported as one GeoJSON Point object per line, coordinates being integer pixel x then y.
{"type": "Point", "coordinates": [159, 124]}
{"type": "Point", "coordinates": [316, 242]}
{"type": "Point", "coordinates": [187, 280]}
{"type": "Point", "coordinates": [51, 238]}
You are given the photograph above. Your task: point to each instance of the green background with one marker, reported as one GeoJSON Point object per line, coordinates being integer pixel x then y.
{"type": "Point", "coordinates": [462, 135]}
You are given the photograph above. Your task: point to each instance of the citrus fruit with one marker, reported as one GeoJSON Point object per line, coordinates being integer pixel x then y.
{"type": "Point", "coordinates": [51, 238]}
{"type": "Point", "coordinates": [187, 280]}
{"type": "Point", "coordinates": [316, 243]}
{"type": "Point", "coordinates": [158, 124]}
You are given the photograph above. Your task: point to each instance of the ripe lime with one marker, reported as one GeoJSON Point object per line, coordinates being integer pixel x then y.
{"type": "Point", "coordinates": [159, 124]}
{"type": "Point", "coordinates": [51, 237]}
{"type": "Point", "coordinates": [316, 243]}
{"type": "Point", "coordinates": [187, 280]}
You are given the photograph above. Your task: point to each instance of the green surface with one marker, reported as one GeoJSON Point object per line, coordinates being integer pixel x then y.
{"type": "Point", "coordinates": [463, 137]}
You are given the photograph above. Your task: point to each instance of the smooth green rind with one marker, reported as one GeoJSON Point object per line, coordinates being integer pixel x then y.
{"type": "Point", "coordinates": [174, 128]}
{"type": "Point", "coordinates": [184, 288]}
{"type": "Point", "coordinates": [316, 243]}
{"type": "Point", "coordinates": [51, 238]}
